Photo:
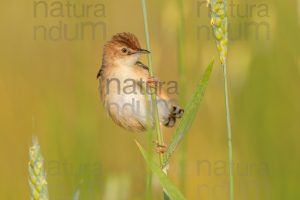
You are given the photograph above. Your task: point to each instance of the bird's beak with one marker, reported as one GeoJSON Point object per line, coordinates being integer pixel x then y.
{"type": "Point", "coordinates": [143, 51]}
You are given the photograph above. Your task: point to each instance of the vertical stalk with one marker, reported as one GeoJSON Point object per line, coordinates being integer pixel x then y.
{"type": "Point", "coordinates": [149, 173]}
{"type": "Point", "coordinates": [159, 135]}
{"type": "Point", "coordinates": [155, 115]}
{"type": "Point", "coordinates": [229, 133]}
{"type": "Point", "coordinates": [219, 22]}
{"type": "Point", "coordinates": [148, 193]}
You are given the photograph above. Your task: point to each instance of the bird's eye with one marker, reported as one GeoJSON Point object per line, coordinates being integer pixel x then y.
{"type": "Point", "coordinates": [124, 50]}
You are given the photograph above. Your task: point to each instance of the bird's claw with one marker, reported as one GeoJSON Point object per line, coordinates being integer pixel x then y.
{"type": "Point", "coordinates": [153, 82]}
{"type": "Point", "coordinates": [161, 148]}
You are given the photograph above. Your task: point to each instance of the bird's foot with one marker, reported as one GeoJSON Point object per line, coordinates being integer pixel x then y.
{"type": "Point", "coordinates": [153, 82]}
{"type": "Point", "coordinates": [161, 148]}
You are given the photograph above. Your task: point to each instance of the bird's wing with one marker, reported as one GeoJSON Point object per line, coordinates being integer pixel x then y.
{"type": "Point", "coordinates": [100, 72]}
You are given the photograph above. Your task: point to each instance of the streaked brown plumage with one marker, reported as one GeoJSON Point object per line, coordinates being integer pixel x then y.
{"type": "Point", "coordinates": [121, 70]}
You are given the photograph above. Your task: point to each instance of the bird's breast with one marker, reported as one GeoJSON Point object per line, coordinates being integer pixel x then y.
{"type": "Point", "coordinates": [123, 97]}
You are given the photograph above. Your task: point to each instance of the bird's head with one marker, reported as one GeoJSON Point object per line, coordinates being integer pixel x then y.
{"type": "Point", "coordinates": [123, 49]}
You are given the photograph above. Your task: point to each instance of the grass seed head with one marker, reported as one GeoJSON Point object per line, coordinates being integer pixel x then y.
{"type": "Point", "coordinates": [219, 26]}
{"type": "Point", "coordinates": [37, 174]}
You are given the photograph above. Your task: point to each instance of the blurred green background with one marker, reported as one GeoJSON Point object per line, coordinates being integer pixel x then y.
{"type": "Point", "coordinates": [52, 79]}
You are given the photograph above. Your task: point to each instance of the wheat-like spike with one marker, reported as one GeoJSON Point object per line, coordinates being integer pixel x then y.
{"type": "Point", "coordinates": [219, 26]}
{"type": "Point", "coordinates": [219, 23]}
{"type": "Point", "coordinates": [37, 175]}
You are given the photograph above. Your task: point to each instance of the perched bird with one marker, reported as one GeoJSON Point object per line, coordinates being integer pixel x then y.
{"type": "Point", "coordinates": [125, 86]}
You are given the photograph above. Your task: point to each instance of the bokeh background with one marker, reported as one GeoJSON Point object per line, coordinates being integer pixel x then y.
{"type": "Point", "coordinates": [48, 87]}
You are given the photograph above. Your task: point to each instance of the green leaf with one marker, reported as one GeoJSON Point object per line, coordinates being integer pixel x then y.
{"type": "Point", "coordinates": [169, 188]}
{"type": "Point", "coordinates": [190, 113]}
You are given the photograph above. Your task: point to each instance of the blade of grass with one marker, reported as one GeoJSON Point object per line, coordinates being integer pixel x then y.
{"type": "Point", "coordinates": [190, 113]}
{"type": "Point", "coordinates": [169, 188]}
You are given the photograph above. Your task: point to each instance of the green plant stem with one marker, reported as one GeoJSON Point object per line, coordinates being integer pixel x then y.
{"type": "Point", "coordinates": [229, 134]}
{"type": "Point", "coordinates": [159, 135]}
{"type": "Point", "coordinates": [160, 138]}
{"type": "Point", "coordinates": [150, 146]}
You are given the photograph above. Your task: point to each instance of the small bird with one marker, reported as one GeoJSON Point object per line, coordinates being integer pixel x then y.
{"type": "Point", "coordinates": [125, 86]}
